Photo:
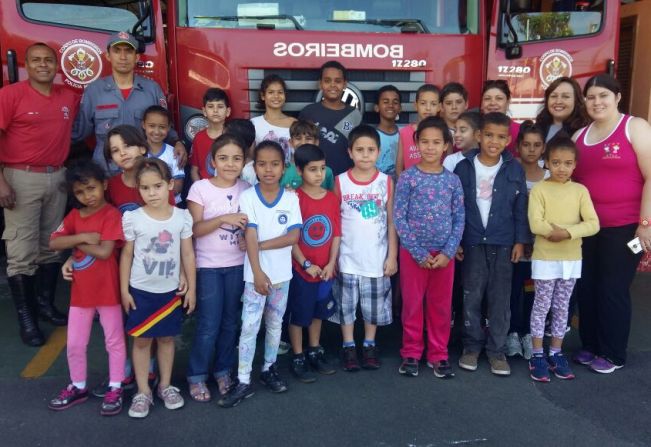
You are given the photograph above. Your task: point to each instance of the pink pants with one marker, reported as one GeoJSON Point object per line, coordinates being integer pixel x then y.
{"type": "Point", "coordinates": [80, 323]}
{"type": "Point", "coordinates": [435, 286]}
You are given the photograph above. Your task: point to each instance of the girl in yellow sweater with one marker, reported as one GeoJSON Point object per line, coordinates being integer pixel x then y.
{"type": "Point", "coordinates": [560, 214]}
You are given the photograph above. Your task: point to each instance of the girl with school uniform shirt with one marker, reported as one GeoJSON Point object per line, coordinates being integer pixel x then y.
{"type": "Point", "coordinates": [159, 243]}
{"type": "Point", "coordinates": [274, 221]}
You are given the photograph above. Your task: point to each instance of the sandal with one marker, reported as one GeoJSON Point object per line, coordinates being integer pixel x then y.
{"type": "Point", "coordinates": [199, 392]}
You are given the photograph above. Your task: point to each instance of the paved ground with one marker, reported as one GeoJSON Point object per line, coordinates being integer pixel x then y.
{"type": "Point", "coordinates": [377, 408]}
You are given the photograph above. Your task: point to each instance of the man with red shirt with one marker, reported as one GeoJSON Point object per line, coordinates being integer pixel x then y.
{"type": "Point", "coordinates": [36, 119]}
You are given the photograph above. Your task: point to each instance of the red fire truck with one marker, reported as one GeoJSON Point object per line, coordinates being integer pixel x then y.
{"type": "Point", "coordinates": [190, 45]}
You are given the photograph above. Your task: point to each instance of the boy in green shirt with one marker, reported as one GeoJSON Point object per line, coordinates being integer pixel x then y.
{"type": "Point", "coordinates": [303, 132]}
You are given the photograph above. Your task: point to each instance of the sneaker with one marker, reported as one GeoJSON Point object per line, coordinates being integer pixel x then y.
{"type": "Point", "coordinates": [409, 367]}
{"type": "Point", "coordinates": [369, 357]}
{"type": "Point", "coordinates": [236, 395]}
{"type": "Point", "coordinates": [171, 396]}
{"type": "Point", "coordinates": [283, 348]}
{"type": "Point", "coordinates": [513, 345]}
{"type": "Point", "coordinates": [299, 368]}
{"type": "Point", "coordinates": [317, 359]}
{"type": "Point", "coordinates": [527, 346]}
{"type": "Point", "coordinates": [351, 363]}
{"type": "Point", "coordinates": [583, 357]}
{"type": "Point", "coordinates": [559, 365]}
{"type": "Point", "coordinates": [442, 369]}
{"type": "Point", "coordinates": [112, 403]}
{"type": "Point", "coordinates": [67, 397]}
{"type": "Point", "coordinates": [603, 365]}
{"type": "Point", "coordinates": [499, 365]}
{"type": "Point", "coordinates": [140, 405]}
{"type": "Point", "coordinates": [539, 368]}
{"type": "Point", "coordinates": [271, 379]}
{"type": "Point", "coordinates": [468, 360]}
{"type": "Point", "coordinates": [225, 384]}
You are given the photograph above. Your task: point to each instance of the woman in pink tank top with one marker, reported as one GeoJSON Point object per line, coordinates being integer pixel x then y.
{"type": "Point", "coordinates": [615, 160]}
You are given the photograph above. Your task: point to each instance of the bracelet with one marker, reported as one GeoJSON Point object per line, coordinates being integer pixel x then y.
{"type": "Point", "coordinates": [645, 221]}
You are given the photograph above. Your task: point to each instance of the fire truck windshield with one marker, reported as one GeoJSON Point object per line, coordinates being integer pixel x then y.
{"type": "Point", "coordinates": [373, 16]}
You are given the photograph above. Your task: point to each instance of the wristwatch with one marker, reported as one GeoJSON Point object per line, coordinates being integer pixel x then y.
{"type": "Point", "coordinates": [645, 221]}
{"type": "Point", "coordinates": [306, 264]}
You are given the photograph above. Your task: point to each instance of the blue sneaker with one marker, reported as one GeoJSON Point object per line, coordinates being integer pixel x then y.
{"type": "Point", "coordinates": [539, 368]}
{"type": "Point", "coordinates": [559, 365]}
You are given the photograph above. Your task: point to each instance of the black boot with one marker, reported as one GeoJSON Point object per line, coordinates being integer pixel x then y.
{"type": "Point", "coordinates": [22, 292]}
{"type": "Point", "coordinates": [46, 283]}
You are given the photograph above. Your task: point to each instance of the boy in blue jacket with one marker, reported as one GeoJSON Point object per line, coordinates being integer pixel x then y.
{"type": "Point", "coordinates": [496, 228]}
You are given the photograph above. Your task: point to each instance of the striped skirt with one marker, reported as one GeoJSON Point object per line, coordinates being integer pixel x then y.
{"type": "Point", "coordinates": [155, 315]}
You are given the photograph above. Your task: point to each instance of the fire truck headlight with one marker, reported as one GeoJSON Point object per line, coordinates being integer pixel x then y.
{"type": "Point", "coordinates": [194, 125]}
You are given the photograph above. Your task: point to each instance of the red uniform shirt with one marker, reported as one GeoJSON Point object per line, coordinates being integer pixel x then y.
{"type": "Point", "coordinates": [96, 282]}
{"type": "Point", "coordinates": [36, 127]}
{"type": "Point", "coordinates": [201, 154]}
{"type": "Point", "coordinates": [321, 223]}
{"type": "Point", "coordinates": [126, 198]}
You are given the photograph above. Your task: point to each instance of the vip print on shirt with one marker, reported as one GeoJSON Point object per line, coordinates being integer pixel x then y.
{"type": "Point", "coordinates": [160, 246]}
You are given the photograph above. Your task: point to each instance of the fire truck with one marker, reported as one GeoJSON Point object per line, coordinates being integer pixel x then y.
{"type": "Point", "coordinates": [191, 45]}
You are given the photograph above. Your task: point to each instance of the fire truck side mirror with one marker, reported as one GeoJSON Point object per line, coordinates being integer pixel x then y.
{"type": "Point", "coordinates": [513, 51]}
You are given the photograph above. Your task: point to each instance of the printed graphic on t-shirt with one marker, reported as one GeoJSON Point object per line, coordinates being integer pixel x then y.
{"type": "Point", "coordinates": [83, 263]}
{"type": "Point", "coordinates": [611, 151]}
{"type": "Point", "coordinates": [283, 141]}
{"type": "Point", "coordinates": [485, 187]}
{"type": "Point", "coordinates": [317, 230]}
{"type": "Point", "coordinates": [159, 246]}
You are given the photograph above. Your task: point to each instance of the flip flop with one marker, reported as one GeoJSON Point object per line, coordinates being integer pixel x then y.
{"type": "Point", "coordinates": [199, 392]}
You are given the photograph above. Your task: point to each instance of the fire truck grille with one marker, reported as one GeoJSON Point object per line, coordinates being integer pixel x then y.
{"type": "Point", "coordinates": [303, 89]}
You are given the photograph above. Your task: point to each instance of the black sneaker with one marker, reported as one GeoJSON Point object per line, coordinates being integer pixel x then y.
{"type": "Point", "coordinates": [271, 379]}
{"type": "Point", "coordinates": [128, 384]}
{"type": "Point", "coordinates": [317, 359]}
{"type": "Point", "coordinates": [369, 358]}
{"type": "Point", "coordinates": [236, 395]}
{"type": "Point", "coordinates": [409, 367]}
{"type": "Point", "coordinates": [300, 369]}
{"type": "Point", "coordinates": [67, 397]}
{"type": "Point", "coordinates": [442, 369]}
{"type": "Point", "coordinates": [351, 364]}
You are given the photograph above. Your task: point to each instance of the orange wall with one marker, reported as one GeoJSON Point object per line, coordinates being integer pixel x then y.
{"type": "Point", "coordinates": [641, 82]}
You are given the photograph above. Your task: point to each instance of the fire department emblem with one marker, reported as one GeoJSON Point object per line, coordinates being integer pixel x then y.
{"type": "Point", "coordinates": [81, 62]}
{"type": "Point", "coordinates": [554, 64]}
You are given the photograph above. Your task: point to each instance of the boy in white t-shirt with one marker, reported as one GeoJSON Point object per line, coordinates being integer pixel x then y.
{"type": "Point", "coordinates": [156, 122]}
{"type": "Point", "coordinates": [369, 247]}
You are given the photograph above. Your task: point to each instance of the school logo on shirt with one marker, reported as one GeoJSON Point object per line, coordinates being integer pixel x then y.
{"type": "Point", "coordinates": [316, 230]}
{"type": "Point", "coordinates": [282, 219]}
{"type": "Point", "coordinates": [66, 112]}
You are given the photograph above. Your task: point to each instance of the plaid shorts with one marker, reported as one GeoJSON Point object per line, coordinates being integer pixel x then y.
{"type": "Point", "coordinates": [373, 294]}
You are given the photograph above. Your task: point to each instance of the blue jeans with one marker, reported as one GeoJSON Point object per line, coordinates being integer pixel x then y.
{"type": "Point", "coordinates": [219, 291]}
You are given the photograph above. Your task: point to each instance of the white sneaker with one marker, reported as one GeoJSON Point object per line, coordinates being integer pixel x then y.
{"type": "Point", "coordinates": [513, 346]}
{"type": "Point", "coordinates": [527, 346]}
{"type": "Point", "coordinates": [140, 405]}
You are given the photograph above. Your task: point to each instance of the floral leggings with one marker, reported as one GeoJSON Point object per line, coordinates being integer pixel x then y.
{"type": "Point", "coordinates": [554, 293]}
{"type": "Point", "coordinates": [255, 306]}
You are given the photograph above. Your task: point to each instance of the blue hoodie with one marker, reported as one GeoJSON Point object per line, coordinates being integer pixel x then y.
{"type": "Point", "coordinates": [507, 220]}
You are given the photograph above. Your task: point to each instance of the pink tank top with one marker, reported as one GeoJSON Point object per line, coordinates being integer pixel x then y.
{"type": "Point", "coordinates": [410, 152]}
{"type": "Point", "coordinates": [610, 171]}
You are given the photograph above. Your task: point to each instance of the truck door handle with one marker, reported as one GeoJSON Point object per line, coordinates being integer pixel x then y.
{"type": "Point", "coordinates": [12, 66]}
